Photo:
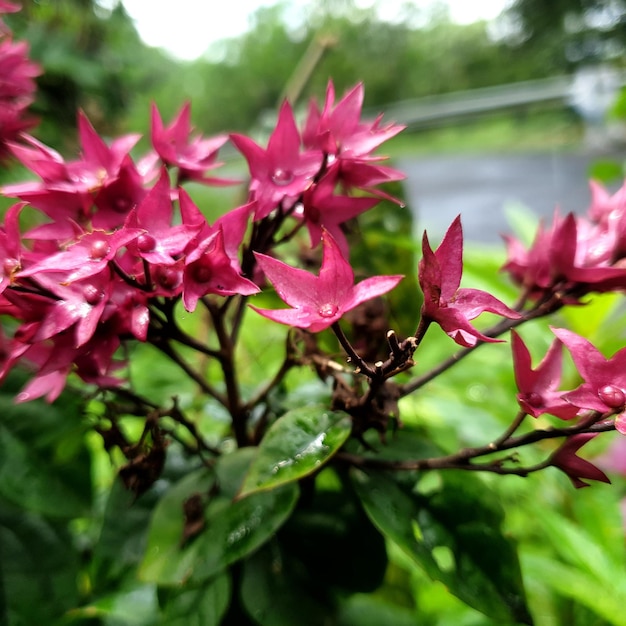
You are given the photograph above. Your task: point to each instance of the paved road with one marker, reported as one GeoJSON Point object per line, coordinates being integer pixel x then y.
{"type": "Point", "coordinates": [479, 187]}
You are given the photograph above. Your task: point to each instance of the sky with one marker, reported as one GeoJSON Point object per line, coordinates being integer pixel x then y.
{"type": "Point", "coordinates": [188, 30]}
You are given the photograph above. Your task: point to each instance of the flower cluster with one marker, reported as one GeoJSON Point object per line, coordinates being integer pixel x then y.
{"type": "Point", "coordinates": [122, 244]}
{"type": "Point", "coordinates": [115, 242]}
{"type": "Point", "coordinates": [577, 255]}
{"type": "Point", "coordinates": [17, 85]}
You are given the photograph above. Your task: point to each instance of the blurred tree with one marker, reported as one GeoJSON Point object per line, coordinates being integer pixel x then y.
{"type": "Point", "coordinates": [571, 32]}
{"type": "Point", "coordinates": [424, 53]}
{"type": "Point", "coordinates": [92, 58]}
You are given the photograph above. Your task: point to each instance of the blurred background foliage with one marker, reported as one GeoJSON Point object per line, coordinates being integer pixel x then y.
{"type": "Point", "coordinates": [70, 544]}
{"type": "Point", "coordinates": [94, 59]}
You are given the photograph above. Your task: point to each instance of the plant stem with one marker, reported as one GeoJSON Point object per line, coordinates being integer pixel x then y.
{"type": "Point", "coordinates": [462, 458]}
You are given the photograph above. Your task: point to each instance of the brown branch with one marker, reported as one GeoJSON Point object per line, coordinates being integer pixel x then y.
{"type": "Point", "coordinates": [540, 310]}
{"type": "Point", "coordinates": [462, 459]}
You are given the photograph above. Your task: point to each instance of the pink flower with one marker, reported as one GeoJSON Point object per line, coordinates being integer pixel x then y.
{"type": "Point", "coordinates": [576, 468]}
{"type": "Point", "coordinates": [17, 87]}
{"type": "Point", "coordinates": [281, 172]}
{"type": "Point", "coordinates": [321, 209]}
{"type": "Point", "coordinates": [10, 246]}
{"type": "Point", "coordinates": [605, 207]}
{"type": "Point", "coordinates": [537, 387]}
{"type": "Point", "coordinates": [81, 304]}
{"type": "Point", "coordinates": [104, 178]}
{"type": "Point", "coordinates": [158, 241]}
{"type": "Point", "coordinates": [338, 129]}
{"type": "Point", "coordinates": [319, 301]}
{"type": "Point", "coordinates": [348, 142]}
{"type": "Point", "coordinates": [209, 270]}
{"type": "Point", "coordinates": [89, 255]}
{"type": "Point", "coordinates": [192, 155]}
{"type": "Point", "coordinates": [572, 257]}
{"type": "Point", "coordinates": [452, 308]}
{"type": "Point", "coordinates": [604, 386]}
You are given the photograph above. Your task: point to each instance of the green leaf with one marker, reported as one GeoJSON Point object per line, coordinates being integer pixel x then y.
{"type": "Point", "coordinates": [231, 530]}
{"type": "Point", "coordinates": [277, 591]}
{"type": "Point", "coordinates": [166, 561]}
{"type": "Point", "coordinates": [454, 534]}
{"type": "Point", "coordinates": [38, 567]}
{"type": "Point", "coordinates": [296, 445]}
{"type": "Point", "coordinates": [131, 603]}
{"type": "Point", "coordinates": [583, 588]}
{"type": "Point", "coordinates": [122, 541]}
{"type": "Point", "coordinates": [606, 170]}
{"type": "Point", "coordinates": [369, 610]}
{"type": "Point", "coordinates": [199, 606]}
{"type": "Point", "coordinates": [235, 529]}
{"type": "Point", "coordinates": [328, 533]}
{"type": "Point", "coordinates": [582, 550]}
{"type": "Point", "coordinates": [44, 463]}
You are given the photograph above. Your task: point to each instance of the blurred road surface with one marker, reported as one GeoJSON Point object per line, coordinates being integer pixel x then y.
{"type": "Point", "coordinates": [480, 187]}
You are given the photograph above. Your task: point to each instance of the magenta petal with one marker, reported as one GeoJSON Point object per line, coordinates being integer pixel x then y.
{"type": "Point", "coordinates": [371, 288]}
{"type": "Point", "coordinates": [254, 155]}
{"type": "Point", "coordinates": [524, 375]}
{"type": "Point", "coordinates": [291, 317]}
{"type": "Point", "coordinates": [450, 257]}
{"type": "Point", "coordinates": [455, 324]}
{"type": "Point", "coordinates": [336, 277]}
{"type": "Point", "coordinates": [473, 302]}
{"type": "Point", "coordinates": [294, 286]}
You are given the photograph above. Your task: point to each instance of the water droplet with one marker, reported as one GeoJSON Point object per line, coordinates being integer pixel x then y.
{"type": "Point", "coordinates": [146, 242]}
{"type": "Point", "coordinates": [282, 177]}
{"type": "Point", "coordinates": [328, 310]}
{"type": "Point", "coordinates": [99, 249]}
{"type": "Point", "coordinates": [612, 396]}
{"type": "Point", "coordinates": [10, 265]}
{"type": "Point", "coordinates": [92, 294]}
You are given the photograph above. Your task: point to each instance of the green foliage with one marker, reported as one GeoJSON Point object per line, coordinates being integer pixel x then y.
{"type": "Point", "coordinates": [455, 534]}
{"type": "Point", "coordinates": [295, 446]}
{"type": "Point", "coordinates": [281, 533]}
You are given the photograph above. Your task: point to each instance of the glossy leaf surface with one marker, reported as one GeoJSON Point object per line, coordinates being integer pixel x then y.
{"type": "Point", "coordinates": [297, 444]}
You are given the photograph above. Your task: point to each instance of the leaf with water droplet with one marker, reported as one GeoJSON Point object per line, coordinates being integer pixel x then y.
{"type": "Point", "coordinates": [297, 444]}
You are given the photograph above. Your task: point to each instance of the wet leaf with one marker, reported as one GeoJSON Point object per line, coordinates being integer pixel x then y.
{"type": "Point", "coordinates": [166, 561]}
{"type": "Point", "coordinates": [454, 534]}
{"type": "Point", "coordinates": [38, 568]}
{"type": "Point", "coordinates": [198, 606]}
{"type": "Point", "coordinates": [44, 465]}
{"type": "Point", "coordinates": [296, 445]}
{"type": "Point", "coordinates": [232, 529]}
{"type": "Point", "coordinates": [235, 529]}
{"type": "Point", "coordinates": [277, 591]}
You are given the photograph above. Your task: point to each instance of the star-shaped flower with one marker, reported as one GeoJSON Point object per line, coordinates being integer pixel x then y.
{"type": "Point", "coordinates": [604, 386]}
{"type": "Point", "coordinates": [319, 301]}
{"type": "Point", "coordinates": [162, 242]}
{"type": "Point", "coordinates": [338, 129]}
{"type": "Point", "coordinates": [452, 308]}
{"type": "Point", "coordinates": [193, 155]}
{"type": "Point", "coordinates": [537, 387]}
{"type": "Point", "coordinates": [282, 171]}
{"type": "Point", "coordinates": [209, 270]}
